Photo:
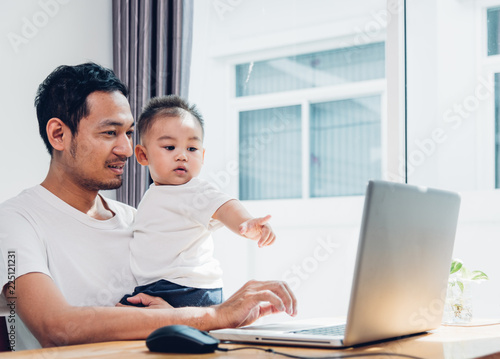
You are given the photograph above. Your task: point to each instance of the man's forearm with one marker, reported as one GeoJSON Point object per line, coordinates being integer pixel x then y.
{"type": "Point", "coordinates": [54, 322]}
{"type": "Point", "coordinates": [77, 325]}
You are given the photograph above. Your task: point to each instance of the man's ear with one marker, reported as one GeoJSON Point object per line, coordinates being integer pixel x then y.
{"type": "Point", "coordinates": [57, 133]}
{"type": "Point", "coordinates": [141, 155]}
{"type": "Point", "coordinates": [203, 157]}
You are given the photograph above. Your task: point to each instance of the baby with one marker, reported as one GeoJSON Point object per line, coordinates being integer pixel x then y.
{"type": "Point", "coordinates": [172, 248]}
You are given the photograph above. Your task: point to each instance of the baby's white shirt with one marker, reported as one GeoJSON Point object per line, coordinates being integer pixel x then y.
{"type": "Point", "coordinates": [172, 235]}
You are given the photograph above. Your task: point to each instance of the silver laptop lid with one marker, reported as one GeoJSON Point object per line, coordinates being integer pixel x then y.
{"type": "Point", "coordinates": [403, 260]}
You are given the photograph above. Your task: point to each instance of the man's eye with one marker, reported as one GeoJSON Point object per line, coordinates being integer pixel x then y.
{"type": "Point", "coordinates": [110, 133]}
{"type": "Point", "coordinates": [130, 133]}
{"type": "Point", "coordinates": [170, 148]}
{"type": "Point", "coordinates": [192, 149]}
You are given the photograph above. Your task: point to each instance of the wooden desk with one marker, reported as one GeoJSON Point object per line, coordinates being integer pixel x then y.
{"type": "Point", "coordinates": [445, 342]}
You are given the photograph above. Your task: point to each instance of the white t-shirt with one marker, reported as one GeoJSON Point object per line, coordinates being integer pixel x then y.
{"type": "Point", "coordinates": [88, 259]}
{"type": "Point", "coordinates": [172, 235]}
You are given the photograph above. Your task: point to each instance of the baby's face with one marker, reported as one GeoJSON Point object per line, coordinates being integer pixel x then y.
{"type": "Point", "coordinates": [174, 148]}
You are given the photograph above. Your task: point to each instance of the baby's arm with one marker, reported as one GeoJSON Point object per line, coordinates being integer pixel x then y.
{"type": "Point", "coordinates": [235, 217]}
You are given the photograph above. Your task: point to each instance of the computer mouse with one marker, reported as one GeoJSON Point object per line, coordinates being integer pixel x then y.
{"type": "Point", "coordinates": [181, 339]}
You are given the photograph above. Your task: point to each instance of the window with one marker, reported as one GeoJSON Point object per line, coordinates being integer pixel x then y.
{"type": "Point", "coordinates": [345, 147]}
{"type": "Point", "coordinates": [493, 23]}
{"type": "Point", "coordinates": [311, 148]}
{"type": "Point", "coordinates": [270, 153]}
{"type": "Point", "coordinates": [493, 45]}
{"type": "Point", "coordinates": [332, 67]}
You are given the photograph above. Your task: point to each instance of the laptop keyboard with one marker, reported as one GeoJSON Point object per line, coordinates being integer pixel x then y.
{"type": "Point", "coordinates": [333, 330]}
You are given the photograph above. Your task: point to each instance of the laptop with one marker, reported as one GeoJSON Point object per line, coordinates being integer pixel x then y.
{"type": "Point", "coordinates": [400, 275]}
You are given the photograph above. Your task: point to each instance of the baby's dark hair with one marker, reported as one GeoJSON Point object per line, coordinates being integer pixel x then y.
{"type": "Point", "coordinates": [169, 106]}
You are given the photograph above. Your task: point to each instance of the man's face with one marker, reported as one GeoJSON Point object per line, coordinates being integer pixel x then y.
{"type": "Point", "coordinates": [103, 142]}
{"type": "Point", "coordinates": [174, 149]}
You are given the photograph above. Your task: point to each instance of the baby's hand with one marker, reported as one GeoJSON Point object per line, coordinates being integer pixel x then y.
{"type": "Point", "coordinates": [258, 229]}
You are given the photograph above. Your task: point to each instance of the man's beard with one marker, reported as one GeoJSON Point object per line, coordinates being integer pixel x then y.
{"type": "Point", "coordinates": [92, 184]}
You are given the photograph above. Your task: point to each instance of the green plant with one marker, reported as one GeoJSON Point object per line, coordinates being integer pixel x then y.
{"type": "Point", "coordinates": [459, 274]}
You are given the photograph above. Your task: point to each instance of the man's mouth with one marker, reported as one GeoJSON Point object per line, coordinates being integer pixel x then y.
{"type": "Point", "coordinates": [116, 167]}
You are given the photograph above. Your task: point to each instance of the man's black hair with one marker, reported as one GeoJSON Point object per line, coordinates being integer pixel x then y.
{"type": "Point", "coordinates": [63, 94]}
{"type": "Point", "coordinates": [170, 106]}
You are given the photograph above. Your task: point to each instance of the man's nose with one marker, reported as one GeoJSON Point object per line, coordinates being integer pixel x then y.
{"type": "Point", "coordinates": [124, 146]}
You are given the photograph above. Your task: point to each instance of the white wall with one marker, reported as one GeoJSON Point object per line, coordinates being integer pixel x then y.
{"type": "Point", "coordinates": [36, 36]}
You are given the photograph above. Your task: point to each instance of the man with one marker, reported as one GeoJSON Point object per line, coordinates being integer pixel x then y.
{"type": "Point", "coordinates": [68, 248]}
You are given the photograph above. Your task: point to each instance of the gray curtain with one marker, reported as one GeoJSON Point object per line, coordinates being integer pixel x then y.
{"type": "Point", "coordinates": [151, 55]}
